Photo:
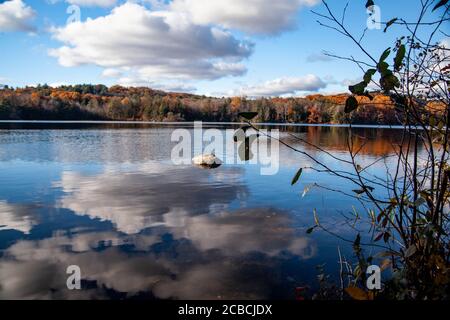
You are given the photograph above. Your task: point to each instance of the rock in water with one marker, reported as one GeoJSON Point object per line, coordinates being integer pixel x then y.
{"type": "Point", "coordinates": [209, 161]}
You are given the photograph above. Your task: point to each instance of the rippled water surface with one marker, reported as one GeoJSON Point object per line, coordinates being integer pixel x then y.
{"type": "Point", "coordinates": [108, 198]}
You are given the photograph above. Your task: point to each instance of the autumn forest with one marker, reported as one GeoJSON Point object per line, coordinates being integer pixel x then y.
{"type": "Point", "coordinates": [98, 102]}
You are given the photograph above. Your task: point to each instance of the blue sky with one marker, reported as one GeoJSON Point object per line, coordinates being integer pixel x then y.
{"type": "Point", "coordinates": [221, 47]}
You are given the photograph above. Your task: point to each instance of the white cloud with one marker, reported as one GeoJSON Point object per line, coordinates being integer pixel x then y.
{"type": "Point", "coordinates": [174, 87]}
{"type": "Point", "coordinates": [87, 3]}
{"type": "Point", "coordinates": [168, 87]}
{"type": "Point", "coordinates": [111, 73]}
{"type": "Point", "coordinates": [282, 86]}
{"type": "Point", "coordinates": [58, 84]}
{"type": "Point", "coordinates": [15, 15]}
{"type": "Point", "coordinates": [159, 44]}
{"type": "Point", "coordinates": [129, 79]}
{"type": "Point", "coordinates": [93, 3]}
{"type": "Point", "coordinates": [253, 16]}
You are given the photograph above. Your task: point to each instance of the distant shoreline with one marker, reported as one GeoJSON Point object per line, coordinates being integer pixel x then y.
{"type": "Point", "coordinates": [205, 122]}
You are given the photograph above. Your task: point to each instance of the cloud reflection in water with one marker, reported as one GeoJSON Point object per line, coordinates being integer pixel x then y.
{"type": "Point", "coordinates": [176, 235]}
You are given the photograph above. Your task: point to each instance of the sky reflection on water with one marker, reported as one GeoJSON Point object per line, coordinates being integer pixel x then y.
{"type": "Point", "coordinates": [107, 198]}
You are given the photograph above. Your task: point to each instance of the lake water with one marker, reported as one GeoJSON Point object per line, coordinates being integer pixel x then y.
{"type": "Point", "coordinates": [107, 198]}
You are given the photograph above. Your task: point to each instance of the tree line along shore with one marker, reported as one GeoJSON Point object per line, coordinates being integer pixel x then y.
{"type": "Point", "coordinates": [98, 102]}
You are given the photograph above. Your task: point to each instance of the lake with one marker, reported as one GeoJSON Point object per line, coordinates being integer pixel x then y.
{"type": "Point", "coordinates": [106, 197]}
